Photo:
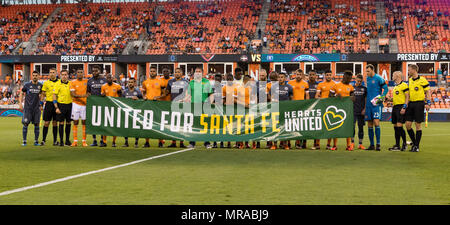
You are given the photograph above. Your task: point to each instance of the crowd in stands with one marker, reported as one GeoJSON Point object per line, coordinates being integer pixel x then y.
{"type": "Point", "coordinates": [18, 23]}
{"type": "Point", "coordinates": [9, 91]}
{"type": "Point", "coordinates": [419, 26]}
{"type": "Point", "coordinates": [207, 27]}
{"type": "Point", "coordinates": [94, 28]}
{"type": "Point", "coordinates": [321, 26]}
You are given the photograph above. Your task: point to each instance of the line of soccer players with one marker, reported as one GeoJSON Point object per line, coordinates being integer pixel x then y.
{"type": "Point", "coordinates": [65, 101]}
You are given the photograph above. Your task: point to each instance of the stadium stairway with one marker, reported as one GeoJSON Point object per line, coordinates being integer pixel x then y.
{"type": "Point", "coordinates": [264, 14]}
{"type": "Point", "coordinates": [30, 45]}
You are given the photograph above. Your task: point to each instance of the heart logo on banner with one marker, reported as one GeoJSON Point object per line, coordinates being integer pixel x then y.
{"type": "Point", "coordinates": [334, 118]}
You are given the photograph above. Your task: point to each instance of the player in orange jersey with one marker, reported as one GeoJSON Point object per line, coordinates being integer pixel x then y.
{"type": "Point", "coordinates": [300, 86]}
{"type": "Point", "coordinates": [110, 89]}
{"type": "Point", "coordinates": [153, 89]}
{"type": "Point", "coordinates": [323, 91]}
{"type": "Point", "coordinates": [343, 89]}
{"type": "Point", "coordinates": [78, 90]}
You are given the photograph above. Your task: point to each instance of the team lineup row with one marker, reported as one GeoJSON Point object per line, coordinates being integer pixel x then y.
{"type": "Point", "coordinates": [63, 101]}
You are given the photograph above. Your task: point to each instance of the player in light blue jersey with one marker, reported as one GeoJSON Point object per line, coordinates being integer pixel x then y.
{"type": "Point", "coordinates": [376, 92]}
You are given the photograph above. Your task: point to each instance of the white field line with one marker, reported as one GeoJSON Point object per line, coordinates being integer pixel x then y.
{"type": "Point", "coordinates": [89, 173]}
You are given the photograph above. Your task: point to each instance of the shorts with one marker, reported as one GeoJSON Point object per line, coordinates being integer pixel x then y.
{"type": "Point", "coordinates": [66, 112]}
{"type": "Point", "coordinates": [31, 116]}
{"type": "Point", "coordinates": [78, 112]}
{"type": "Point", "coordinates": [359, 119]}
{"type": "Point", "coordinates": [415, 112]}
{"type": "Point", "coordinates": [396, 116]}
{"type": "Point", "coordinates": [373, 112]}
{"type": "Point", "coordinates": [49, 112]}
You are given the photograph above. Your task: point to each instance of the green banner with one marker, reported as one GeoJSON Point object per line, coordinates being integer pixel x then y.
{"type": "Point", "coordinates": [286, 120]}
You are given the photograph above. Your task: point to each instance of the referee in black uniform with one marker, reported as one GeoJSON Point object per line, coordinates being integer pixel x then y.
{"type": "Point", "coordinates": [419, 91]}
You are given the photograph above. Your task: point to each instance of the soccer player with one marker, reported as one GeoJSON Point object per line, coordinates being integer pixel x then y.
{"type": "Point", "coordinates": [176, 90]}
{"type": "Point", "coordinates": [133, 93]}
{"type": "Point", "coordinates": [198, 92]}
{"type": "Point", "coordinates": [165, 78]}
{"type": "Point", "coordinates": [343, 89]}
{"type": "Point", "coordinates": [32, 106]}
{"type": "Point", "coordinates": [400, 102]}
{"type": "Point", "coordinates": [228, 93]}
{"type": "Point", "coordinates": [62, 100]}
{"type": "Point", "coordinates": [110, 89]}
{"type": "Point", "coordinates": [78, 90]}
{"type": "Point", "coordinates": [273, 76]}
{"type": "Point", "coordinates": [419, 92]}
{"type": "Point", "coordinates": [49, 109]}
{"type": "Point", "coordinates": [359, 106]}
{"type": "Point", "coordinates": [153, 90]}
{"type": "Point", "coordinates": [323, 91]}
{"type": "Point", "coordinates": [261, 94]}
{"type": "Point", "coordinates": [376, 92]}
{"type": "Point", "coordinates": [300, 87]}
{"type": "Point", "coordinates": [217, 98]}
{"type": "Point", "coordinates": [242, 97]}
{"type": "Point", "coordinates": [283, 92]}
{"type": "Point", "coordinates": [311, 92]}
{"type": "Point", "coordinates": [94, 87]}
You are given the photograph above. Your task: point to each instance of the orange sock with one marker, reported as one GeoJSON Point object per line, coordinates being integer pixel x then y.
{"type": "Point", "coordinates": [84, 132]}
{"type": "Point", "coordinates": [114, 139]}
{"type": "Point", "coordinates": [349, 140]}
{"type": "Point", "coordinates": [75, 132]}
{"type": "Point", "coordinates": [104, 139]}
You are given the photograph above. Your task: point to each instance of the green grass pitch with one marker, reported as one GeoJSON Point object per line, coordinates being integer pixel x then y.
{"type": "Point", "coordinates": [224, 176]}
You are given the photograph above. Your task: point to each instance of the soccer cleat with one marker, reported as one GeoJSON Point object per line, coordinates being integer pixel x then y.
{"type": "Point", "coordinates": [146, 145]}
{"type": "Point", "coordinates": [247, 146]}
{"type": "Point", "coordinates": [394, 148]}
{"type": "Point", "coordinates": [273, 147]}
{"type": "Point", "coordinates": [241, 146]}
{"type": "Point", "coordinates": [317, 147]}
{"type": "Point", "coordinates": [221, 145]}
{"type": "Point", "coordinates": [61, 144]}
{"type": "Point", "coordinates": [334, 148]}
{"type": "Point", "coordinates": [378, 148]}
{"type": "Point", "coordinates": [414, 149]}
{"type": "Point", "coordinates": [55, 143]}
{"type": "Point", "coordinates": [208, 146]}
{"type": "Point", "coordinates": [160, 144]}
{"type": "Point", "coordinates": [254, 146]}
{"type": "Point", "coordinates": [103, 144]}
{"type": "Point", "coordinates": [173, 145]}
{"type": "Point", "coordinates": [182, 146]}
{"type": "Point", "coordinates": [328, 147]}
{"type": "Point", "coordinates": [68, 143]}
{"type": "Point", "coordinates": [370, 148]}
{"type": "Point", "coordinates": [113, 145]}
{"type": "Point", "coordinates": [36, 143]}
{"type": "Point", "coordinates": [298, 147]}
{"type": "Point", "coordinates": [74, 144]}
{"type": "Point", "coordinates": [286, 147]}
{"type": "Point", "coordinates": [352, 146]}
{"type": "Point", "coordinates": [125, 145]}
{"type": "Point", "coordinates": [403, 147]}
{"type": "Point", "coordinates": [361, 147]}
{"type": "Point", "coordinates": [214, 145]}
{"type": "Point", "coordinates": [191, 146]}
{"type": "Point", "coordinates": [42, 143]}
{"type": "Point", "coordinates": [24, 143]}
{"type": "Point", "coordinates": [94, 144]}
{"type": "Point", "coordinates": [349, 148]}
{"type": "Point", "coordinates": [84, 144]}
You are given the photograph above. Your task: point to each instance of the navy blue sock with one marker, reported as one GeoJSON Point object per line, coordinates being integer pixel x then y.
{"type": "Point", "coordinates": [378, 134]}
{"type": "Point", "coordinates": [36, 133]}
{"type": "Point", "coordinates": [24, 133]}
{"type": "Point", "coordinates": [371, 136]}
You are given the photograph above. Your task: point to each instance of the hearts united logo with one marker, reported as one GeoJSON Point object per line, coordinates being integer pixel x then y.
{"type": "Point", "coordinates": [333, 118]}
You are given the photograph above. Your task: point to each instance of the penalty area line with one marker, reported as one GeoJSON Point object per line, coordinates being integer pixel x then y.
{"type": "Point", "coordinates": [89, 173]}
